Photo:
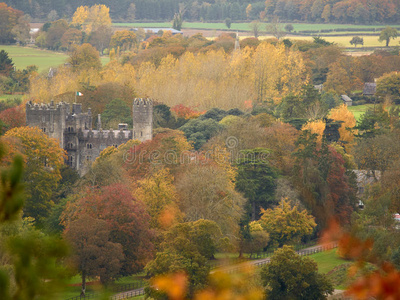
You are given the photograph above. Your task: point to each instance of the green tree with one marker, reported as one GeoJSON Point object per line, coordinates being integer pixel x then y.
{"type": "Point", "coordinates": [228, 23]}
{"type": "Point", "coordinates": [287, 224]}
{"type": "Point", "coordinates": [387, 34]}
{"type": "Point", "coordinates": [6, 63]}
{"type": "Point", "coordinates": [290, 276]}
{"type": "Point", "coordinates": [200, 131]}
{"type": "Point", "coordinates": [388, 86]}
{"type": "Point", "coordinates": [289, 27]}
{"type": "Point", "coordinates": [177, 21]}
{"type": "Point", "coordinates": [117, 111]}
{"type": "Point", "coordinates": [256, 179]}
{"type": "Point", "coordinates": [185, 248]}
{"type": "Point", "coordinates": [356, 40]}
{"type": "Point", "coordinates": [31, 255]}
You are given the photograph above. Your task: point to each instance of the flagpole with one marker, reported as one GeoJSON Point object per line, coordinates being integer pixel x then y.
{"type": "Point", "coordinates": [75, 95]}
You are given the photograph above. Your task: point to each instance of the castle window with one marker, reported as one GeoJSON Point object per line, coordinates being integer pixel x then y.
{"type": "Point", "coordinates": [44, 129]}
{"type": "Point", "coordinates": [70, 145]}
{"type": "Point", "coordinates": [88, 158]}
{"type": "Point", "coordinates": [89, 146]}
{"type": "Point", "coordinates": [141, 133]}
{"type": "Point", "coordinates": [70, 161]}
{"type": "Point", "coordinates": [70, 129]}
{"type": "Point", "coordinates": [115, 145]}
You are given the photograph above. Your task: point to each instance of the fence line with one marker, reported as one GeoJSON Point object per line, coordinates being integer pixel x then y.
{"type": "Point", "coordinates": [138, 289]}
{"type": "Point", "coordinates": [118, 289]}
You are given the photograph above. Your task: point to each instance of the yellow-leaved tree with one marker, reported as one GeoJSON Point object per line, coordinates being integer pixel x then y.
{"type": "Point", "coordinates": [317, 127]}
{"type": "Point", "coordinates": [343, 114]}
{"type": "Point", "coordinates": [159, 195]}
{"type": "Point", "coordinates": [92, 18]}
{"type": "Point", "coordinates": [286, 223]}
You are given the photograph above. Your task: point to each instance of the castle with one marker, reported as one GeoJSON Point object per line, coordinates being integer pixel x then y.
{"type": "Point", "coordinates": [73, 129]}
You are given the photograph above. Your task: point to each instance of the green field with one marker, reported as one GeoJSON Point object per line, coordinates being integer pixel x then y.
{"type": "Point", "coordinates": [73, 291]}
{"type": "Point", "coordinates": [4, 97]}
{"type": "Point", "coordinates": [245, 26]}
{"type": "Point", "coordinates": [44, 59]}
{"type": "Point", "coordinates": [327, 260]}
{"type": "Point", "coordinates": [359, 110]}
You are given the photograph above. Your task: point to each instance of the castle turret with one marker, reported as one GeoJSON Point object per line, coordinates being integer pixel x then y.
{"type": "Point", "coordinates": [142, 119]}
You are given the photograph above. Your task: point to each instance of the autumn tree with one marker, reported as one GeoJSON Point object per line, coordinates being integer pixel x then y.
{"type": "Point", "coordinates": [93, 252]}
{"type": "Point", "coordinates": [286, 224]}
{"type": "Point", "coordinates": [13, 117]}
{"type": "Point", "coordinates": [127, 220]}
{"type": "Point", "coordinates": [256, 179]}
{"type": "Point", "coordinates": [206, 192]}
{"type": "Point", "coordinates": [21, 29]}
{"type": "Point", "coordinates": [101, 38]}
{"type": "Point", "coordinates": [255, 27]}
{"type": "Point", "coordinates": [8, 19]}
{"type": "Point", "coordinates": [290, 276]}
{"type": "Point", "coordinates": [27, 255]}
{"type": "Point", "coordinates": [276, 28]}
{"type": "Point", "coordinates": [387, 34]}
{"type": "Point", "coordinates": [84, 57]}
{"type": "Point", "coordinates": [185, 249]}
{"type": "Point", "coordinates": [71, 38]}
{"type": "Point", "coordinates": [43, 159]}
{"type": "Point", "coordinates": [160, 197]}
{"type": "Point", "coordinates": [123, 39]}
{"type": "Point", "coordinates": [256, 240]}
{"type": "Point", "coordinates": [320, 176]}
{"type": "Point", "coordinates": [53, 34]}
{"type": "Point", "coordinates": [343, 114]}
{"type": "Point", "coordinates": [388, 87]}
{"type": "Point", "coordinates": [91, 18]}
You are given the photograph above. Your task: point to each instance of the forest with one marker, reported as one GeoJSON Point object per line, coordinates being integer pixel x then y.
{"type": "Point", "coordinates": [254, 152]}
{"type": "Point", "coordinates": [337, 11]}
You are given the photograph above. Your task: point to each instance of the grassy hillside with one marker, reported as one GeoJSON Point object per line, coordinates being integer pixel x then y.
{"type": "Point", "coordinates": [327, 260]}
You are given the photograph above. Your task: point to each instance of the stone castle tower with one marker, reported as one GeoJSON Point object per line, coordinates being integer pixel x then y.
{"type": "Point", "coordinates": [142, 119]}
{"type": "Point", "coordinates": [73, 129]}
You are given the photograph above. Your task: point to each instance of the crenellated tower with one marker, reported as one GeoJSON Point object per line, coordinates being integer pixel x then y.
{"type": "Point", "coordinates": [142, 119]}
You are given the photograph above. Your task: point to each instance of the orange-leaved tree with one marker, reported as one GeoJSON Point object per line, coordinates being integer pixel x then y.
{"type": "Point", "coordinates": [43, 159]}
{"type": "Point", "coordinates": [126, 217]}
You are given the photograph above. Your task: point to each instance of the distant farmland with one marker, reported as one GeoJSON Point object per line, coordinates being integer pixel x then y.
{"type": "Point", "coordinates": [245, 26]}
{"type": "Point", "coordinates": [26, 56]}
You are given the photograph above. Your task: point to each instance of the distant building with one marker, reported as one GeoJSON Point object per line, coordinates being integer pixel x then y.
{"type": "Point", "coordinates": [73, 129]}
{"type": "Point", "coordinates": [369, 89]}
{"type": "Point", "coordinates": [156, 30]}
{"type": "Point", "coordinates": [365, 178]}
{"type": "Point", "coordinates": [346, 100]}
{"type": "Point", "coordinates": [32, 34]}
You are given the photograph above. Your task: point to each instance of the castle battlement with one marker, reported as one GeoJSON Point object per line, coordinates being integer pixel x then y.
{"type": "Point", "coordinates": [46, 106]}
{"type": "Point", "coordinates": [73, 129]}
